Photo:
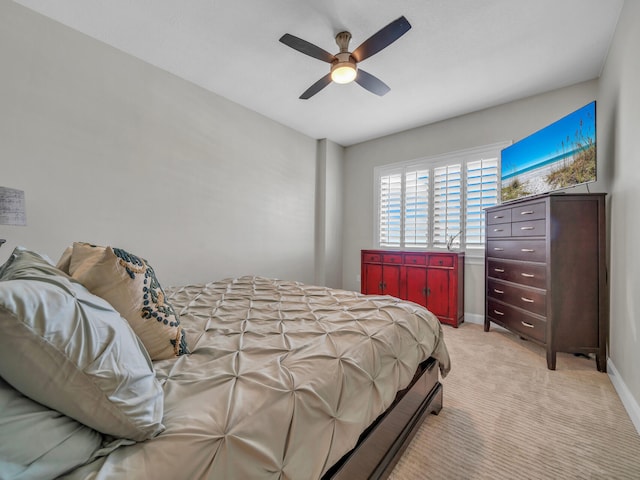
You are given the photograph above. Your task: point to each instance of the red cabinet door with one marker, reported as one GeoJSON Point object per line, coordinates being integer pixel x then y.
{"type": "Point", "coordinates": [391, 280]}
{"type": "Point", "coordinates": [438, 294]}
{"type": "Point", "coordinates": [372, 281]}
{"type": "Point", "coordinates": [416, 278]}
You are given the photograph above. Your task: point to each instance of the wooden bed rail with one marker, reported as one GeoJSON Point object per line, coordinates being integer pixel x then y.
{"type": "Point", "coordinates": [382, 444]}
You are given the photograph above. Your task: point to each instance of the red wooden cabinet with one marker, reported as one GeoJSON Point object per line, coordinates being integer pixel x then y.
{"type": "Point", "coordinates": [434, 280]}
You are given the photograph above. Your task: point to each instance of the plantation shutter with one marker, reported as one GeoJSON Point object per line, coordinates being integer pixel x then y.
{"type": "Point", "coordinates": [416, 224]}
{"type": "Point", "coordinates": [438, 202]}
{"type": "Point", "coordinates": [447, 204]}
{"type": "Point", "coordinates": [482, 192]}
{"type": "Point", "coordinates": [390, 210]}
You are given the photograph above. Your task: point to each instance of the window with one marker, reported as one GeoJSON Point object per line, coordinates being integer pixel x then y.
{"type": "Point", "coordinates": [437, 201]}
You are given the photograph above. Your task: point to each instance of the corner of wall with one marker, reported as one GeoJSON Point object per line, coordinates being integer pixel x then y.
{"type": "Point", "coordinates": [329, 216]}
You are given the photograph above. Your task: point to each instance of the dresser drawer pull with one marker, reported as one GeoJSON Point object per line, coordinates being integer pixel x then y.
{"type": "Point", "coordinates": [498, 216]}
{"type": "Point", "coordinates": [498, 229]}
{"type": "Point", "coordinates": [528, 325]}
{"type": "Point", "coordinates": [498, 291]}
{"type": "Point", "coordinates": [525, 299]}
{"type": "Point", "coordinates": [499, 270]}
{"type": "Point", "coordinates": [498, 249]}
{"type": "Point", "coordinates": [527, 250]}
{"type": "Point", "coordinates": [527, 212]}
{"type": "Point", "coordinates": [527, 228]}
{"type": "Point", "coordinates": [528, 275]}
{"type": "Point", "coordinates": [497, 312]}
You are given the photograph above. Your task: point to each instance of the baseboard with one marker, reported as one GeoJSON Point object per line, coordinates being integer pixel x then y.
{"type": "Point", "coordinates": [473, 318]}
{"type": "Point", "coordinates": [479, 320]}
{"type": "Point", "coordinates": [628, 400]}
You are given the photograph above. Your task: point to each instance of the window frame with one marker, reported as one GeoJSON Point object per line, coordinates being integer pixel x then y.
{"type": "Point", "coordinates": [459, 157]}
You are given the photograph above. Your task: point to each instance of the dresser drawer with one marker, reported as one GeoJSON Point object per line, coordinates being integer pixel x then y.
{"type": "Point", "coordinates": [517, 320]}
{"type": "Point", "coordinates": [415, 259]}
{"type": "Point", "coordinates": [499, 230]}
{"type": "Point", "coordinates": [530, 274]}
{"type": "Point", "coordinates": [499, 216]}
{"type": "Point", "coordinates": [392, 258]}
{"type": "Point", "coordinates": [528, 250]}
{"type": "Point", "coordinates": [531, 211]}
{"type": "Point", "coordinates": [529, 229]}
{"type": "Point", "coordinates": [532, 300]}
{"type": "Point", "coordinates": [371, 257]}
{"type": "Point", "coordinates": [440, 261]}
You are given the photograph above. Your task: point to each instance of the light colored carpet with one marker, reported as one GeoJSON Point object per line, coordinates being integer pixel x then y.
{"type": "Point", "coordinates": [506, 416]}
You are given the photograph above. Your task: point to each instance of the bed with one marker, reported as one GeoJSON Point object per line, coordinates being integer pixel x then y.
{"type": "Point", "coordinates": [268, 379]}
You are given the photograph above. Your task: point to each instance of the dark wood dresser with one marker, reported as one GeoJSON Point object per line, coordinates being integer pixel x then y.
{"type": "Point", "coordinates": [546, 277]}
{"type": "Point", "coordinates": [434, 280]}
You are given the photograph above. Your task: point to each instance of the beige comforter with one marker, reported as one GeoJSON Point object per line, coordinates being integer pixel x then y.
{"type": "Point", "coordinates": [281, 381]}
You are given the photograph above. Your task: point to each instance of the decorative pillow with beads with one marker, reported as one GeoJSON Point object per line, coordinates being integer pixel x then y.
{"type": "Point", "coordinates": [130, 285]}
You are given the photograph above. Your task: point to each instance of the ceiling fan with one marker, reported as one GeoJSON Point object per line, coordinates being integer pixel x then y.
{"type": "Point", "coordinates": [344, 65]}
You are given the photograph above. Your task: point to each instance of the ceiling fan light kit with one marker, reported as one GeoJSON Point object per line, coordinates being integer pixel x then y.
{"type": "Point", "coordinates": [344, 65]}
{"type": "Point", "coordinates": [343, 71]}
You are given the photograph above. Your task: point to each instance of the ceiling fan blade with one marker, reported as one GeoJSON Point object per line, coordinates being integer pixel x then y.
{"type": "Point", "coordinates": [307, 48]}
{"type": "Point", "coordinates": [316, 87]}
{"type": "Point", "coordinates": [383, 38]}
{"type": "Point", "coordinates": [371, 83]}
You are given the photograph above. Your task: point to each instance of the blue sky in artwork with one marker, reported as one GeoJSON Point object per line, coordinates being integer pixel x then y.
{"type": "Point", "coordinates": [543, 145]}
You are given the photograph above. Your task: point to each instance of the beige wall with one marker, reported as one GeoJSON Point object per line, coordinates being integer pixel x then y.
{"type": "Point", "coordinates": [111, 150]}
{"type": "Point", "coordinates": [511, 121]}
{"type": "Point", "coordinates": [618, 144]}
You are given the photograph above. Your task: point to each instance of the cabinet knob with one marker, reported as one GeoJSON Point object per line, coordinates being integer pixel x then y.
{"type": "Point", "coordinates": [499, 292]}
{"type": "Point", "coordinates": [526, 324]}
{"type": "Point", "coordinates": [527, 250]}
{"type": "Point", "coordinates": [526, 212]}
{"type": "Point", "coordinates": [498, 312]}
{"type": "Point", "coordinates": [526, 228]}
{"type": "Point", "coordinates": [527, 275]}
{"type": "Point", "coordinates": [499, 270]}
{"type": "Point", "coordinates": [525, 299]}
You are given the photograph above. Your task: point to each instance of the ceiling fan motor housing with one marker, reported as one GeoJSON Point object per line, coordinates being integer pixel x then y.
{"type": "Point", "coordinates": [343, 68]}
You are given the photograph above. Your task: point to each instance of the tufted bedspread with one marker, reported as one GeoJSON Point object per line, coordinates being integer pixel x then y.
{"type": "Point", "coordinates": [281, 381]}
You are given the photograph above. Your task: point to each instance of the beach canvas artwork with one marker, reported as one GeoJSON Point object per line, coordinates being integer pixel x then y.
{"type": "Point", "coordinates": [559, 156]}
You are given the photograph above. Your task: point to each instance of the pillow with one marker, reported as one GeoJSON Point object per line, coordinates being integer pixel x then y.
{"type": "Point", "coordinates": [129, 284]}
{"type": "Point", "coordinates": [37, 442]}
{"type": "Point", "coordinates": [71, 351]}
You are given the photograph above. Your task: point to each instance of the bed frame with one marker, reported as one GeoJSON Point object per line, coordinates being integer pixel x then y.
{"type": "Point", "coordinates": [382, 444]}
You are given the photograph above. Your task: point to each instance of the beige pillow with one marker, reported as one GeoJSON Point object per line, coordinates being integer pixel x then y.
{"type": "Point", "coordinates": [69, 350]}
{"type": "Point", "coordinates": [130, 285]}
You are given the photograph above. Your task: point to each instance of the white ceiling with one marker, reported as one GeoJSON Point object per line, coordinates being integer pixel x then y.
{"type": "Point", "coordinates": [460, 55]}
